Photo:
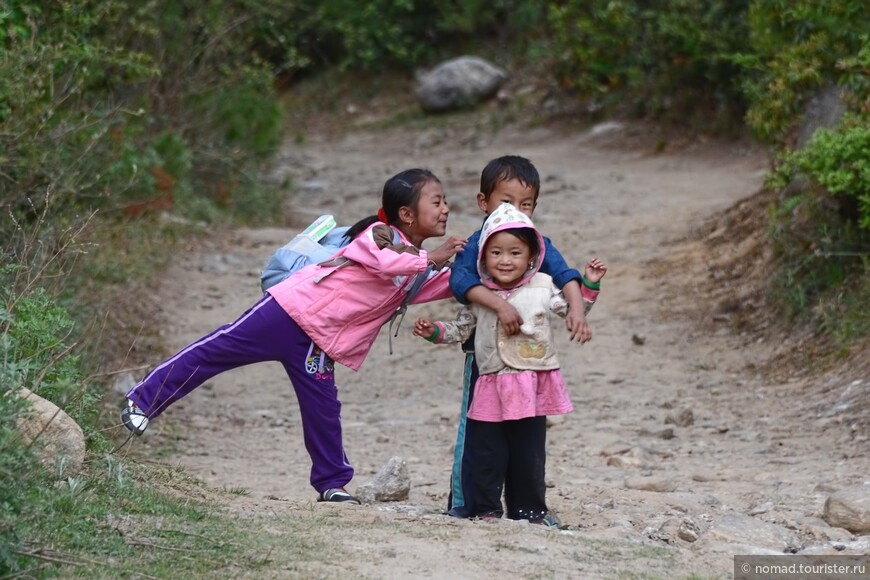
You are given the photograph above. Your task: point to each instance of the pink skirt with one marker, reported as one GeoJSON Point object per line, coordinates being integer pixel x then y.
{"type": "Point", "coordinates": [519, 395]}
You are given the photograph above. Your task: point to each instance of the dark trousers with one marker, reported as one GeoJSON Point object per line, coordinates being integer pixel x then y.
{"type": "Point", "coordinates": [510, 456]}
{"type": "Point", "coordinates": [460, 502]}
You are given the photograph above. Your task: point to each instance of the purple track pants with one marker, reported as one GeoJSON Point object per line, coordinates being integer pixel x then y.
{"type": "Point", "coordinates": [264, 333]}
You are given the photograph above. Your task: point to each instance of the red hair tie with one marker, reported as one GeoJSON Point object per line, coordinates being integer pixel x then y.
{"type": "Point", "coordinates": [382, 215]}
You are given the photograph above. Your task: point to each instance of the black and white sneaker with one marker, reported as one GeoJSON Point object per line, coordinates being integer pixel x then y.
{"type": "Point", "coordinates": [337, 494]}
{"type": "Point", "coordinates": [549, 520]}
{"type": "Point", "coordinates": [134, 418]}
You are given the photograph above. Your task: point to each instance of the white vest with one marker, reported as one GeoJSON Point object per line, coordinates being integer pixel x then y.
{"type": "Point", "coordinates": [529, 349]}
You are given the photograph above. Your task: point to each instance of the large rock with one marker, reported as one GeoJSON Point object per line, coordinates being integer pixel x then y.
{"type": "Point", "coordinates": [460, 82]}
{"type": "Point", "coordinates": [825, 110]}
{"type": "Point", "coordinates": [59, 438]}
{"type": "Point", "coordinates": [391, 483]}
{"type": "Point", "coordinates": [849, 509]}
{"type": "Point", "coordinates": [736, 529]}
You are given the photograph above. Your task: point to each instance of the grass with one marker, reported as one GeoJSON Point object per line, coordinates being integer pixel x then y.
{"type": "Point", "coordinates": [128, 520]}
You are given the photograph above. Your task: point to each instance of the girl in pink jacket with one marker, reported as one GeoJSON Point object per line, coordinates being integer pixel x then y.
{"type": "Point", "coordinates": [325, 312]}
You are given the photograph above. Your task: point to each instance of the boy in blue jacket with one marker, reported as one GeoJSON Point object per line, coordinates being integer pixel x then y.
{"type": "Point", "coordinates": [509, 179]}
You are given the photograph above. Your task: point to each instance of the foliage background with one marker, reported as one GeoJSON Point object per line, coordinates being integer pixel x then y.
{"type": "Point", "coordinates": [115, 112]}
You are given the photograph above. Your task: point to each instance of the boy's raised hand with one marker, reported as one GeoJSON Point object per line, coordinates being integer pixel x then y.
{"type": "Point", "coordinates": [595, 270]}
{"type": "Point", "coordinates": [424, 328]}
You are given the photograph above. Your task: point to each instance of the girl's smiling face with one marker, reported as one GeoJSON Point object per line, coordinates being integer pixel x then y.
{"type": "Point", "coordinates": [430, 217]}
{"type": "Point", "coordinates": [506, 258]}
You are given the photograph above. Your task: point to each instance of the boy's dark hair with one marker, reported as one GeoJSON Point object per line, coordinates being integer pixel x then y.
{"type": "Point", "coordinates": [401, 190]}
{"type": "Point", "coordinates": [506, 168]}
{"type": "Point", "coordinates": [528, 235]}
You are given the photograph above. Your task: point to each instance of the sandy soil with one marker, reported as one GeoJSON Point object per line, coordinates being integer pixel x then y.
{"type": "Point", "coordinates": [674, 427]}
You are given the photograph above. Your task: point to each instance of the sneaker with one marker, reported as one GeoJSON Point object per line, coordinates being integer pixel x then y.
{"type": "Point", "coordinates": [489, 516]}
{"type": "Point", "coordinates": [134, 418]}
{"type": "Point", "coordinates": [457, 513]}
{"type": "Point", "coordinates": [337, 494]}
{"type": "Point", "coordinates": [550, 520]}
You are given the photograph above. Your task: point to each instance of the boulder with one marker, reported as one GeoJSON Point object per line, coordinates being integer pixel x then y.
{"type": "Point", "coordinates": [59, 437]}
{"type": "Point", "coordinates": [391, 483]}
{"type": "Point", "coordinates": [849, 509]}
{"type": "Point", "coordinates": [456, 83]}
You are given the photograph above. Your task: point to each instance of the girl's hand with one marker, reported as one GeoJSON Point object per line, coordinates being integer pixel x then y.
{"type": "Point", "coordinates": [424, 328]}
{"type": "Point", "coordinates": [578, 328]}
{"type": "Point", "coordinates": [595, 270]}
{"type": "Point", "coordinates": [447, 250]}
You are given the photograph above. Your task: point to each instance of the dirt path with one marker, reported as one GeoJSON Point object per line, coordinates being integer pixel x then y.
{"type": "Point", "coordinates": [673, 436]}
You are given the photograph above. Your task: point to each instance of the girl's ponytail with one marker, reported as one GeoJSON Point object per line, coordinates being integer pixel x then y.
{"type": "Point", "coordinates": [360, 226]}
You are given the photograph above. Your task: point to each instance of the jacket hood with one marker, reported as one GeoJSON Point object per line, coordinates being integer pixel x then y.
{"type": "Point", "coordinates": [507, 217]}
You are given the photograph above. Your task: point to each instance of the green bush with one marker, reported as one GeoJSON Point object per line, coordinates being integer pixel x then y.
{"type": "Point", "coordinates": [34, 341]}
{"type": "Point", "coordinates": [839, 161]}
{"type": "Point", "coordinates": [821, 234]}
{"type": "Point", "coordinates": [109, 104]}
{"type": "Point", "coordinates": [797, 48]}
{"type": "Point", "coordinates": [667, 57]}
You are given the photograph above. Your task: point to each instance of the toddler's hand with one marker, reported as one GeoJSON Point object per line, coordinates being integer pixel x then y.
{"type": "Point", "coordinates": [595, 270]}
{"type": "Point", "coordinates": [424, 328]}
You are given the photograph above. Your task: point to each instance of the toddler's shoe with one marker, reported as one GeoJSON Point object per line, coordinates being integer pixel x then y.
{"type": "Point", "coordinates": [134, 418]}
{"type": "Point", "coordinates": [337, 494]}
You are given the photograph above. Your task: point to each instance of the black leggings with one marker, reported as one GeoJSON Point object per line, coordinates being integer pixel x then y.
{"type": "Point", "coordinates": [510, 455]}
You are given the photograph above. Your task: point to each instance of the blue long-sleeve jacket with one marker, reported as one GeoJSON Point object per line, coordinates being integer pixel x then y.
{"type": "Point", "coordinates": [464, 274]}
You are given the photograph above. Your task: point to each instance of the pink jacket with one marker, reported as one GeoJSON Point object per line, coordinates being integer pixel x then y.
{"type": "Point", "coordinates": [343, 308]}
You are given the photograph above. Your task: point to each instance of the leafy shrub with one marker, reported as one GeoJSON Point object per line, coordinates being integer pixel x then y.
{"type": "Point", "coordinates": [798, 47]}
{"type": "Point", "coordinates": [839, 161]}
{"type": "Point", "coordinates": [666, 56]}
{"type": "Point", "coordinates": [35, 355]}
{"type": "Point", "coordinates": [822, 233]}
{"type": "Point", "coordinates": [109, 104]}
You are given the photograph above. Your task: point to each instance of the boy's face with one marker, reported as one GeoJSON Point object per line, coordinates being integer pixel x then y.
{"type": "Point", "coordinates": [513, 192]}
{"type": "Point", "coordinates": [506, 258]}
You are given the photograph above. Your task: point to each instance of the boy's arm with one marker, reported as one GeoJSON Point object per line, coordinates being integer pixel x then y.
{"type": "Point", "coordinates": [578, 292]}
{"type": "Point", "coordinates": [463, 272]}
{"type": "Point", "coordinates": [578, 327]}
{"type": "Point", "coordinates": [508, 315]}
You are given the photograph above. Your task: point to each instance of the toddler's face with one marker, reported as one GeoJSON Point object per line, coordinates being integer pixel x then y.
{"type": "Point", "coordinates": [513, 192]}
{"type": "Point", "coordinates": [506, 258]}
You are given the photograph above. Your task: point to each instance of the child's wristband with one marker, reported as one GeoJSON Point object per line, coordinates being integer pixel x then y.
{"type": "Point", "coordinates": [591, 285]}
{"type": "Point", "coordinates": [435, 335]}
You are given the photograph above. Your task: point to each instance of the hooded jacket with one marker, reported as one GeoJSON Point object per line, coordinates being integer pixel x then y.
{"type": "Point", "coordinates": [535, 297]}
{"type": "Point", "coordinates": [342, 304]}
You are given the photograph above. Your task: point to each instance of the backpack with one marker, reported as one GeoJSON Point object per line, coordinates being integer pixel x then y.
{"type": "Point", "coordinates": [318, 243]}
